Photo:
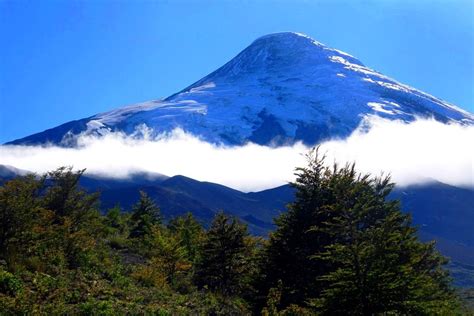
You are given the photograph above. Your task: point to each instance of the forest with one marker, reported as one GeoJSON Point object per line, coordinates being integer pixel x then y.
{"type": "Point", "coordinates": [341, 248]}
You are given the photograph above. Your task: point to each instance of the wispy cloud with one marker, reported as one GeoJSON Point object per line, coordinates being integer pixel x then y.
{"type": "Point", "coordinates": [412, 153]}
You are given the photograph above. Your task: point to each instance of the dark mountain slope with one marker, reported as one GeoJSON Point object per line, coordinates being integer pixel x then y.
{"type": "Point", "coordinates": [442, 212]}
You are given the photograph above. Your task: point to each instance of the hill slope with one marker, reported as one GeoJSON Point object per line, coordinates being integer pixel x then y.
{"type": "Point", "coordinates": [442, 212]}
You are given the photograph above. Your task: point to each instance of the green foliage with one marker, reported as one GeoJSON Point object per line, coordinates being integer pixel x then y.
{"type": "Point", "coordinates": [190, 232]}
{"type": "Point", "coordinates": [9, 283]}
{"type": "Point", "coordinates": [145, 214]}
{"type": "Point", "coordinates": [61, 257]}
{"type": "Point", "coordinates": [117, 228]}
{"type": "Point", "coordinates": [287, 257]}
{"type": "Point", "coordinates": [379, 264]}
{"type": "Point", "coordinates": [20, 211]}
{"type": "Point", "coordinates": [340, 249]}
{"type": "Point", "coordinates": [224, 261]}
{"type": "Point", "coordinates": [273, 301]}
{"type": "Point", "coordinates": [352, 251]}
{"type": "Point", "coordinates": [97, 307]}
{"type": "Point", "coordinates": [168, 251]}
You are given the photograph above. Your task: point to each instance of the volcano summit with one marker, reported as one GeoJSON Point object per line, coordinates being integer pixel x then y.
{"type": "Point", "coordinates": [283, 88]}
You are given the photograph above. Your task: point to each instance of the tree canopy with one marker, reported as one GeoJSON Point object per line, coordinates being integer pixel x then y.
{"type": "Point", "coordinates": [342, 248]}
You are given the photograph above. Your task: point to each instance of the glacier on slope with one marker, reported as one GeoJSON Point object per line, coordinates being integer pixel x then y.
{"type": "Point", "coordinates": [284, 87]}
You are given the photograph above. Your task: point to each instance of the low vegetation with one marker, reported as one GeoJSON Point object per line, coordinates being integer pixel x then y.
{"type": "Point", "coordinates": [341, 249]}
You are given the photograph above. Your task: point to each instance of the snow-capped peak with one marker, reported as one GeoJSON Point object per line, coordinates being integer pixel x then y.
{"type": "Point", "coordinates": [284, 87]}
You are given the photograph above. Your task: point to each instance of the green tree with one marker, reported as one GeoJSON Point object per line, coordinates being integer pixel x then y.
{"type": "Point", "coordinates": [117, 227]}
{"type": "Point", "coordinates": [379, 265]}
{"type": "Point", "coordinates": [287, 261]}
{"type": "Point", "coordinates": [77, 221]}
{"type": "Point", "coordinates": [166, 249]}
{"type": "Point", "coordinates": [64, 196]}
{"type": "Point", "coordinates": [145, 214]}
{"type": "Point", "coordinates": [190, 233]}
{"type": "Point", "coordinates": [20, 212]}
{"type": "Point", "coordinates": [346, 249]}
{"type": "Point", "coordinates": [223, 263]}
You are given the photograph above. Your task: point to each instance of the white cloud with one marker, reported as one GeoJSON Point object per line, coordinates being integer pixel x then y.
{"type": "Point", "coordinates": [410, 152]}
{"type": "Point", "coordinates": [413, 153]}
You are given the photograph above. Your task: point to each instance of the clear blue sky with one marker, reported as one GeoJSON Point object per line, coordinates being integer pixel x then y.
{"type": "Point", "coordinates": [65, 60]}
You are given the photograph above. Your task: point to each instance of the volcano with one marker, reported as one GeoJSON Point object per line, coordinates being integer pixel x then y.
{"type": "Point", "coordinates": [283, 88]}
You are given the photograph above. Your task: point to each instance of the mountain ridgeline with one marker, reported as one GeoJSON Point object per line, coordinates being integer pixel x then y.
{"type": "Point", "coordinates": [283, 88]}
{"type": "Point", "coordinates": [443, 213]}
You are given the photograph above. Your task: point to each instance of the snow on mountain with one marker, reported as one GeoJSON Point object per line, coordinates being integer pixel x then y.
{"type": "Point", "coordinates": [284, 87]}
